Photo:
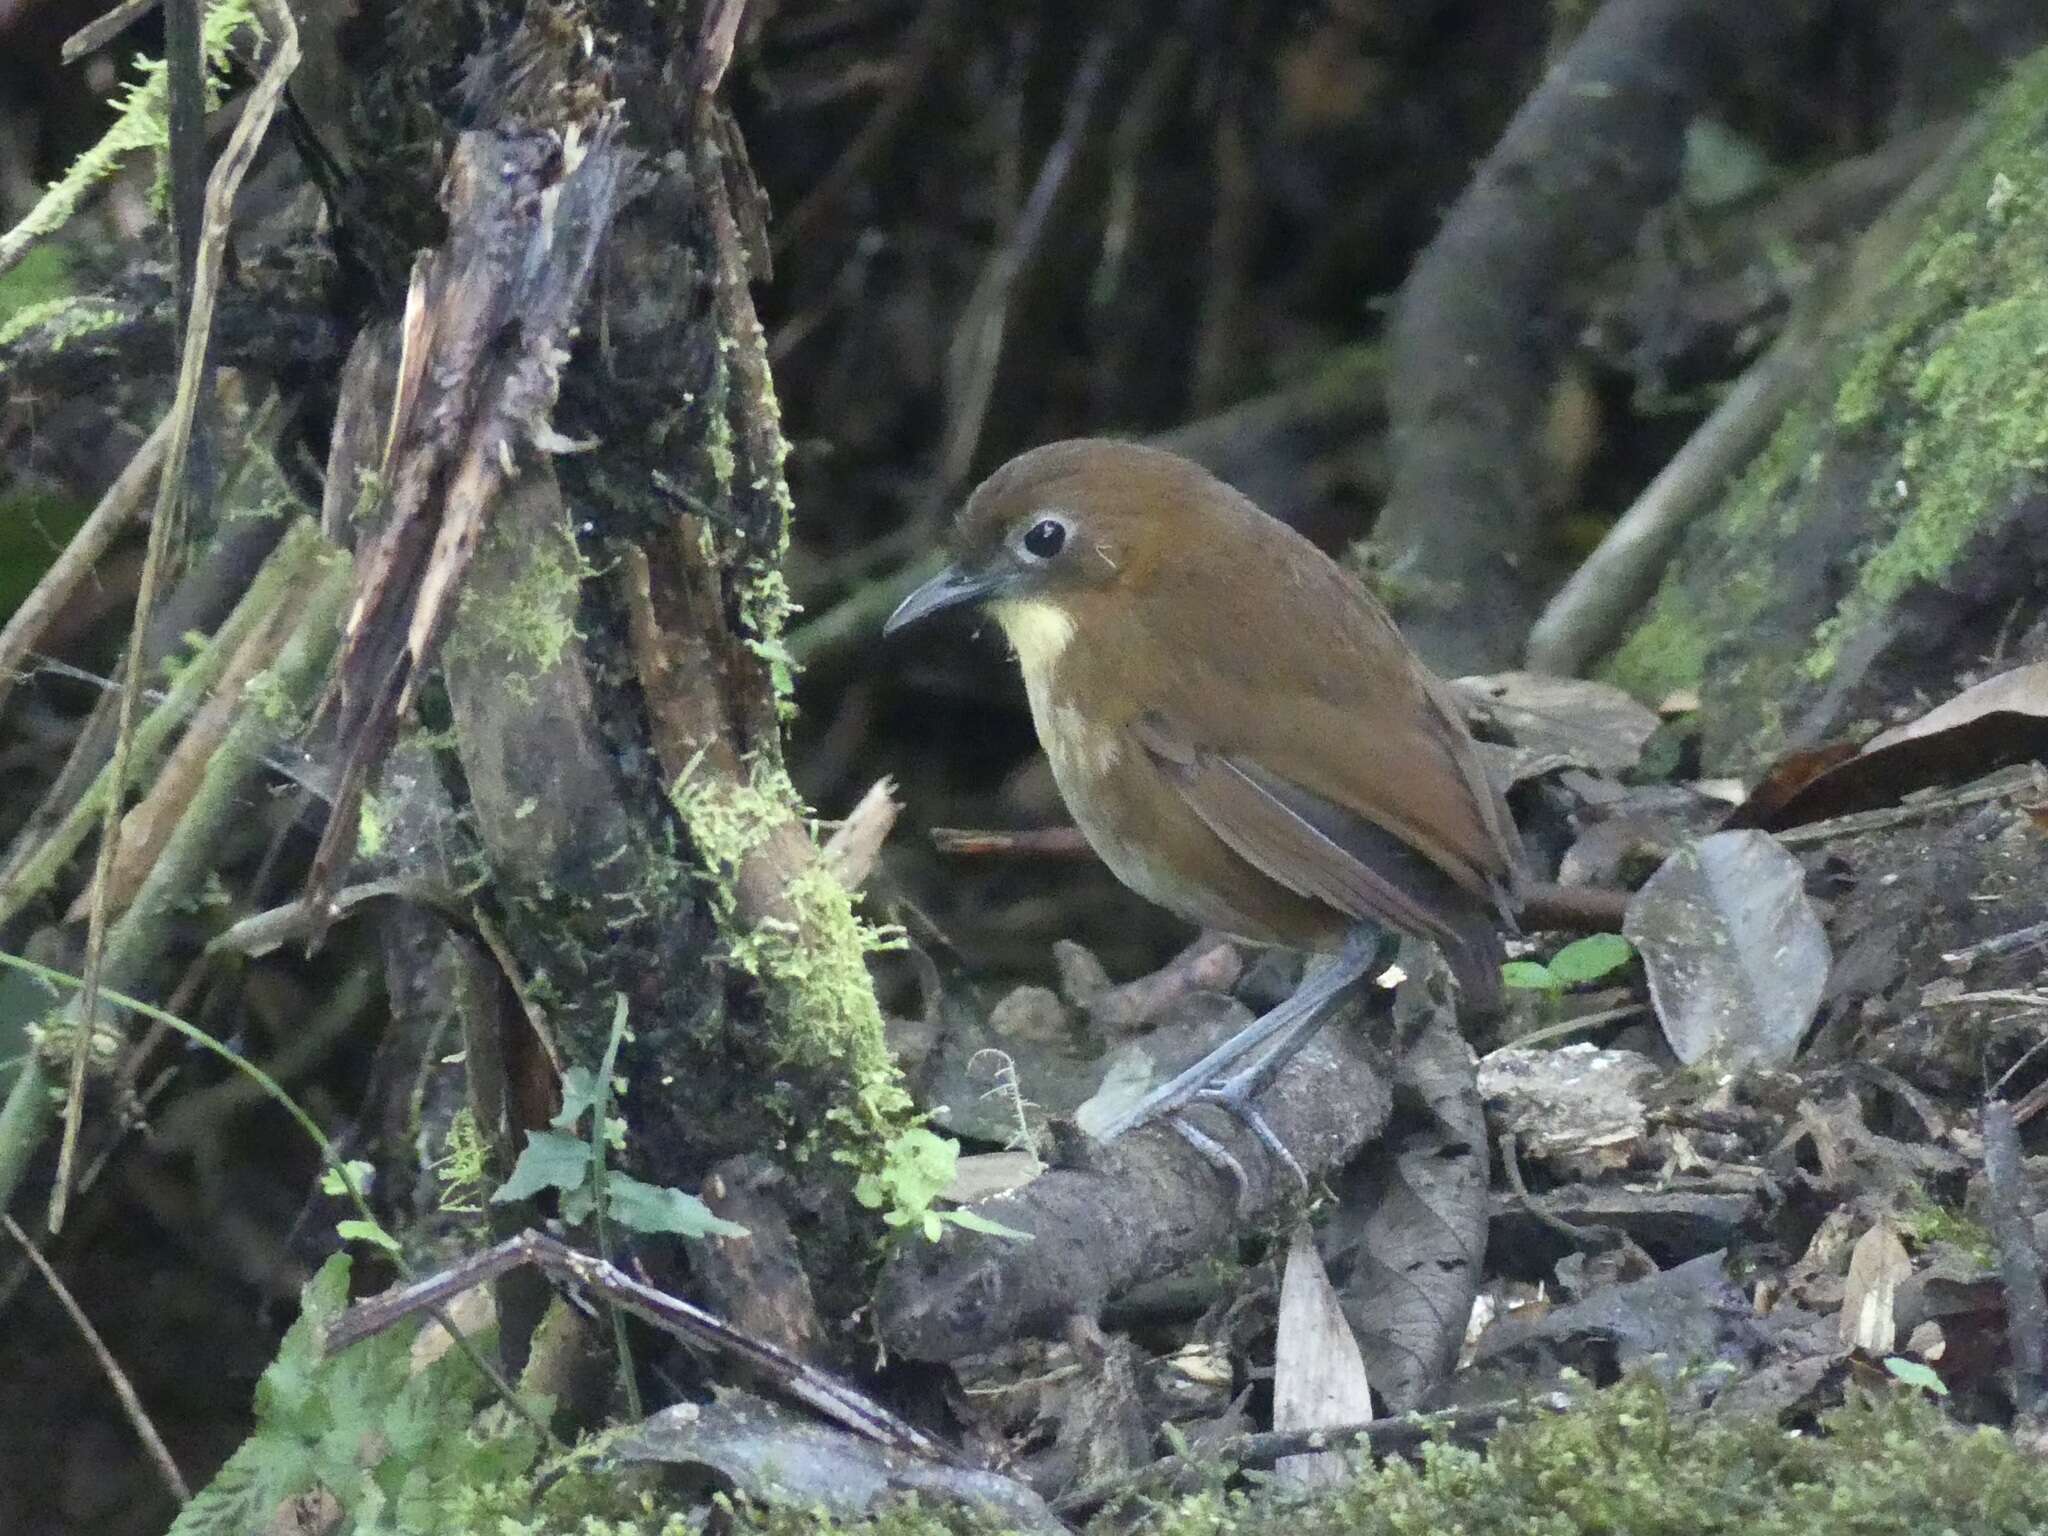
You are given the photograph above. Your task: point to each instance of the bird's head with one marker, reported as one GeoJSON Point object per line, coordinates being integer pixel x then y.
{"type": "Point", "coordinates": [1055, 533]}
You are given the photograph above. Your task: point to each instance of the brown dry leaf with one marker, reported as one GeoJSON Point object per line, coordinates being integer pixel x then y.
{"type": "Point", "coordinates": [1877, 1266]}
{"type": "Point", "coordinates": [1572, 721]}
{"type": "Point", "coordinates": [1318, 1373]}
{"type": "Point", "coordinates": [2001, 721]}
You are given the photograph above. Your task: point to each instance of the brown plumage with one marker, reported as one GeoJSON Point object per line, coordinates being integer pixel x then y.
{"type": "Point", "coordinates": [1233, 720]}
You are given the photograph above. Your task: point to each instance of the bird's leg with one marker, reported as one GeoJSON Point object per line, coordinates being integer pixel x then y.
{"type": "Point", "coordinates": [1272, 1040]}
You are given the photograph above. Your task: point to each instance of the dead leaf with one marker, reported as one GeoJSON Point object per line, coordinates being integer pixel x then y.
{"type": "Point", "coordinates": [1579, 1109]}
{"type": "Point", "coordinates": [1579, 722]}
{"type": "Point", "coordinates": [1734, 950]}
{"type": "Point", "coordinates": [1783, 783]}
{"type": "Point", "coordinates": [1877, 1265]}
{"type": "Point", "coordinates": [2001, 721]}
{"type": "Point", "coordinates": [1318, 1373]}
{"type": "Point", "coordinates": [1409, 1235]}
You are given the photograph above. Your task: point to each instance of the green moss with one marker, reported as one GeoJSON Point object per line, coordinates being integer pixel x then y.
{"type": "Point", "coordinates": [1622, 1464]}
{"type": "Point", "coordinates": [1921, 429]}
{"type": "Point", "coordinates": [1980, 428]}
{"type": "Point", "coordinates": [813, 960]}
{"type": "Point", "coordinates": [62, 321]}
{"type": "Point", "coordinates": [1667, 651]}
{"type": "Point", "coordinates": [524, 626]}
{"type": "Point", "coordinates": [40, 276]}
{"type": "Point", "coordinates": [1928, 1223]}
{"type": "Point", "coordinates": [369, 827]}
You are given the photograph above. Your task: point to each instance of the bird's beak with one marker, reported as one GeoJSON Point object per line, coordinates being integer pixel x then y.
{"type": "Point", "coordinates": [949, 589]}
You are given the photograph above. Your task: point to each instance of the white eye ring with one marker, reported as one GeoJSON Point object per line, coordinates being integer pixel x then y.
{"type": "Point", "coordinates": [1044, 539]}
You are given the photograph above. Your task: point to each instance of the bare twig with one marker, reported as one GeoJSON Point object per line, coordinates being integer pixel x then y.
{"type": "Point", "coordinates": [841, 1403]}
{"type": "Point", "coordinates": [2021, 778]}
{"type": "Point", "coordinates": [2001, 944]}
{"type": "Point", "coordinates": [850, 852]}
{"type": "Point", "coordinates": [1395, 1436]}
{"type": "Point", "coordinates": [922, 49]}
{"type": "Point", "coordinates": [978, 339]}
{"type": "Point", "coordinates": [1030, 842]}
{"type": "Point", "coordinates": [116, 509]}
{"type": "Point", "coordinates": [221, 187]}
{"type": "Point", "coordinates": [96, 34]}
{"type": "Point", "coordinates": [2019, 1260]}
{"type": "Point", "coordinates": [145, 828]}
{"type": "Point", "coordinates": [138, 1416]}
{"type": "Point", "coordinates": [36, 867]}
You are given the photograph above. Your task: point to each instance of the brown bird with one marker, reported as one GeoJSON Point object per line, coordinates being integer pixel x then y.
{"type": "Point", "coordinates": [1238, 728]}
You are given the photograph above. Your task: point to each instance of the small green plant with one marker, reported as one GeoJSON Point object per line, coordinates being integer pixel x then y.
{"type": "Point", "coordinates": [1916, 1374]}
{"type": "Point", "coordinates": [576, 1167]}
{"type": "Point", "coordinates": [396, 1447]}
{"type": "Point", "coordinates": [353, 1178]}
{"type": "Point", "coordinates": [464, 1166]}
{"type": "Point", "coordinates": [1582, 960]}
{"type": "Point", "coordinates": [917, 1166]}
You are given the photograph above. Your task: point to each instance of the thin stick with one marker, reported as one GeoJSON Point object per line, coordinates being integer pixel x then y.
{"type": "Point", "coordinates": [124, 1389]}
{"type": "Point", "coordinates": [839, 1402]}
{"type": "Point", "coordinates": [600, 1113]}
{"type": "Point", "coordinates": [977, 346]}
{"type": "Point", "coordinates": [38, 867]}
{"type": "Point", "coordinates": [117, 508]}
{"type": "Point", "coordinates": [330, 1158]}
{"type": "Point", "coordinates": [221, 188]}
{"type": "Point", "coordinates": [2019, 1261]}
{"type": "Point", "coordinates": [1031, 842]}
{"type": "Point", "coordinates": [1615, 580]}
{"type": "Point", "coordinates": [95, 35]}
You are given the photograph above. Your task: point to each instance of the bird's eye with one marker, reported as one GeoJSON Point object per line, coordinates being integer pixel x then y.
{"type": "Point", "coordinates": [1045, 538]}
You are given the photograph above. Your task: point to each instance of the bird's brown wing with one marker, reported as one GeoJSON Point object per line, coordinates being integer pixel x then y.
{"type": "Point", "coordinates": [1326, 697]}
{"type": "Point", "coordinates": [1323, 851]}
{"type": "Point", "coordinates": [1305, 843]}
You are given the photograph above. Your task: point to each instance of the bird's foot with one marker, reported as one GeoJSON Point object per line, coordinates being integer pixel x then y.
{"type": "Point", "coordinates": [1272, 1042]}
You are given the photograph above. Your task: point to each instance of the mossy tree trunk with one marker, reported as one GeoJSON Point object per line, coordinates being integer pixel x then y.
{"type": "Point", "coordinates": [1890, 537]}
{"type": "Point", "coordinates": [615, 684]}
{"type": "Point", "coordinates": [553, 444]}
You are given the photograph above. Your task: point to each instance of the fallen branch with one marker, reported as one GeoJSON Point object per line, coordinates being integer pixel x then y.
{"type": "Point", "coordinates": [1141, 1206]}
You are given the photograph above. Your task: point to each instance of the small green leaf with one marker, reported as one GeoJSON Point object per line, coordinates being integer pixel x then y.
{"type": "Point", "coordinates": [579, 1097]}
{"type": "Point", "coordinates": [1590, 958]}
{"type": "Point", "coordinates": [932, 1226]}
{"type": "Point", "coordinates": [366, 1232]}
{"type": "Point", "coordinates": [1914, 1374]}
{"type": "Point", "coordinates": [652, 1208]}
{"type": "Point", "coordinates": [336, 1181]}
{"type": "Point", "coordinates": [576, 1204]}
{"type": "Point", "coordinates": [550, 1161]}
{"type": "Point", "coordinates": [978, 1223]}
{"type": "Point", "coordinates": [1528, 976]}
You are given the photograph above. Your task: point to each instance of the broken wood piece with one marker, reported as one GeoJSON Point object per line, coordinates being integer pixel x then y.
{"type": "Point", "coordinates": [1140, 1207]}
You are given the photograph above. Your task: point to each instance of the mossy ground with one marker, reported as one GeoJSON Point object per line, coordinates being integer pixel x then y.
{"type": "Point", "coordinates": [1620, 1464]}
{"type": "Point", "coordinates": [1921, 433]}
